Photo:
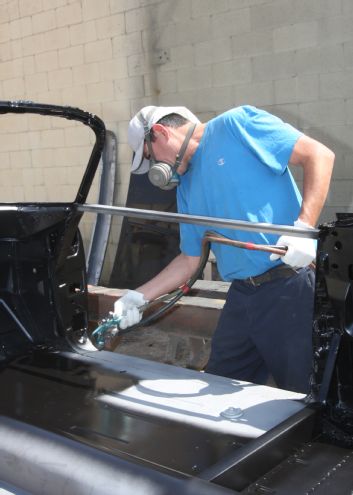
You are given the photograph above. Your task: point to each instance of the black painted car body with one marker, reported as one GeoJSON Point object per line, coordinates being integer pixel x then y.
{"type": "Point", "coordinates": [56, 437]}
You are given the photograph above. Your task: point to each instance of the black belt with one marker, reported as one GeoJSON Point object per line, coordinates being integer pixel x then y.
{"type": "Point", "coordinates": [280, 271]}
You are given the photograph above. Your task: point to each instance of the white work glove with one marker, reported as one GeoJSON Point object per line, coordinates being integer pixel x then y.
{"type": "Point", "coordinates": [127, 308]}
{"type": "Point", "coordinates": [301, 250]}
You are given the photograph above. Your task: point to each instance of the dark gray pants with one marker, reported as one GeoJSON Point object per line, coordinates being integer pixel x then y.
{"type": "Point", "coordinates": [267, 330]}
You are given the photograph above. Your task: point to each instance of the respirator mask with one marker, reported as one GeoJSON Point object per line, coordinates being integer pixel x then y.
{"type": "Point", "coordinates": [161, 174]}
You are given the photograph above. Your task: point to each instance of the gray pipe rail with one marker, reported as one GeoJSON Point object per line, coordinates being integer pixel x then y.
{"type": "Point", "coordinates": [201, 220]}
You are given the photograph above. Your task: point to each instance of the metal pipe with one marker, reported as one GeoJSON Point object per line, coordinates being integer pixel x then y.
{"type": "Point", "coordinates": [200, 220]}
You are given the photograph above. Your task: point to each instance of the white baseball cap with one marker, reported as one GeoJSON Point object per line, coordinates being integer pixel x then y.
{"type": "Point", "coordinates": [136, 131]}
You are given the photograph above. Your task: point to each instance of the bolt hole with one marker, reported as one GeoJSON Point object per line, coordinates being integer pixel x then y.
{"type": "Point", "coordinates": [334, 265]}
{"type": "Point", "coordinates": [337, 246]}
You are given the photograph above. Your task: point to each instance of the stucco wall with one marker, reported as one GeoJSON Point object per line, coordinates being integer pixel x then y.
{"type": "Point", "coordinates": [110, 57]}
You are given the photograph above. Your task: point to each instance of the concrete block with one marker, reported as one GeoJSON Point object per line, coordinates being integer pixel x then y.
{"type": "Point", "coordinates": [43, 21]}
{"type": "Point", "coordinates": [336, 85]}
{"type": "Point", "coordinates": [33, 45]}
{"type": "Point", "coordinates": [71, 57]}
{"type": "Point", "coordinates": [194, 78]}
{"type": "Point", "coordinates": [138, 19]}
{"type": "Point", "coordinates": [5, 52]}
{"type": "Point", "coordinates": [64, 193]}
{"type": "Point", "coordinates": [75, 96]}
{"type": "Point", "coordinates": [117, 6]}
{"type": "Point", "coordinates": [341, 136]}
{"type": "Point", "coordinates": [70, 156]}
{"type": "Point", "coordinates": [194, 31]}
{"type": "Point", "coordinates": [335, 29]}
{"type": "Point", "coordinates": [97, 51]}
{"type": "Point", "coordinates": [69, 14]}
{"type": "Point", "coordinates": [202, 101]}
{"type": "Point", "coordinates": [16, 49]}
{"type": "Point", "coordinates": [139, 64]}
{"type": "Point", "coordinates": [164, 39]}
{"type": "Point", "coordinates": [55, 177]}
{"type": "Point", "coordinates": [41, 157]}
{"type": "Point", "coordinates": [340, 193]}
{"type": "Point", "coordinates": [137, 103]}
{"type": "Point", "coordinates": [252, 43]}
{"type": "Point", "coordinates": [273, 66]}
{"type": "Point", "coordinates": [17, 193]}
{"type": "Point", "coordinates": [99, 92]}
{"type": "Point", "coordinates": [146, 3]}
{"type": "Point", "coordinates": [83, 33]}
{"type": "Point", "coordinates": [12, 123]}
{"type": "Point", "coordinates": [307, 87]}
{"type": "Point", "coordinates": [47, 61]}
{"type": "Point", "coordinates": [200, 8]}
{"type": "Point", "coordinates": [28, 140]}
{"type": "Point", "coordinates": [208, 52]}
{"type": "Point", "coordinates": [61, 78]}
{"type": "Point", "coordinates": [162, 83]}
{"type": "Point", "coordinates": [127, 44]}
{"type": "Point", "coordinates": [304, 88]}
{"type": "Point", "coordinates": [13, 10]}
{"type": "Point", "coordinates": [271, 14]}
{"type": "Point", "coordinates": [349, 111]}
{"type": "Point", "coordinates": [56, 4]}
{"type": "Point", "coordinates": [91, 9]}
{"type": "Point", "coordinates": [296, 36]}
{"type": "Point", "coordinates": [29, 7]}
{"type": "Point", "coordinates": [124, 153]}
{"type": "Point", "coordinates": [169, 11]}
{"type": "Point", "coordinates": [110, 26]}
{"type": "Point", "coordinates": [21, 28]}
{"type": "Point", "coordinates": [77, 136]}
{"type": "Point", "coordinates": [346, 168]}
{"type": "Point", "coordinates": [325, 113]}
{"type": "Point", "coordinates": [348, 54]}
{"type": "Point", "coordinates": [254, 93]}
{"type": "Point", "coordinates": [127, 88]}
{"type": "Point", "coordinates": [14, 88]}
{"type": "Point", "coordinates": [86, 73]}
{"type": "Point", "coordinates": [28, 65]}
{"type": "Point", "coordinates": [308, 61]}
{"type": "Point", "coordinates": [20, 159]}
{"type": "Point", "coordinates": [11, 69]}
{"type": "Point", "coordinates": [111, 70]}
{"type": "Point", "coordinates": [56, 39]}
{"type": "Point", "coordinates": [114, 111]}
{"type": "Point", "coordinates": [332, 58]}
{"type": "Point", "coordinates": [228, 73]}
{"type": "Point", "coordinates": [33, 176]}
{"type": "Point", "coordinates": [179, 57]}
{"type": "Point", "coordinates": [52, 138]}
{"type": "Point", "coordinates": [230, 23]}
{"type": "Point", "coordinates": [6, 194]}
{"type": "Point", "coordinates": [4, 160]}
{"type": "Point", "coordinates": [35, 83]}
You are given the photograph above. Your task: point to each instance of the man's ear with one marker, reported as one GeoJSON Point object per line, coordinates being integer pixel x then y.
{"type": "Point", "coordinates": [159, 129]}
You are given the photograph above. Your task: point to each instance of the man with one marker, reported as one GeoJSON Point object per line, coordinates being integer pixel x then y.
{"type": "Point", "coordinates": [236, 166]}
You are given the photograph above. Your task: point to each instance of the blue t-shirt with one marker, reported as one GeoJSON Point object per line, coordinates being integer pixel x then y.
{"type": "Point", "coordinates": [239, 171]}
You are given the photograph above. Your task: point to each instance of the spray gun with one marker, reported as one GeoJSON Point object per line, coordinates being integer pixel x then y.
{"type": "Point", "coordinates": [109, 327]}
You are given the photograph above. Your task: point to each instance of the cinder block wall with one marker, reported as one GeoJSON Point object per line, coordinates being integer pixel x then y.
{"type": "Point", "coordinates": [110, 57]}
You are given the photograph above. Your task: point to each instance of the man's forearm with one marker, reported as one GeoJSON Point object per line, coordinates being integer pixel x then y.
{"type": "Point", "coordinates": [172, 276]}
{"type": "Point", "coordinates": [317, 177]}
{"type": "Point", "coordinates": [317, 161]}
